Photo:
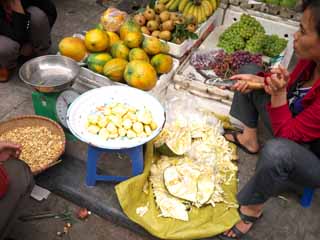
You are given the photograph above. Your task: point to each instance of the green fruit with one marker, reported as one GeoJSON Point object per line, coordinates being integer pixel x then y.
{"type": "Point", "coordinates": [96, 61]}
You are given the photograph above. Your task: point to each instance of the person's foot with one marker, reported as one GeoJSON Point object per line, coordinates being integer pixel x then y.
{"type": "Point", "coordinates": [250, 144]}
{"type": "Point", "coordinates": [244, 226]}
{"type": "Point", "coordinates": [4, 74]}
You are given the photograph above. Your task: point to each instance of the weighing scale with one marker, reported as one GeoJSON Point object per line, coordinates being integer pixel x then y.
{"type": "Point", "coordinates": [55, 106]}
{"type": "Point", "coordinates": [52, 76]}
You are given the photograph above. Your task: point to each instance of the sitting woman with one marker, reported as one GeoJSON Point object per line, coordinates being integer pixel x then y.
{"type": "Point", "coordinates": [16, 183]}
{"type": "Point", "coordinates": [291, 110]}
{"type": "Point", "coordinates": [25, 27]}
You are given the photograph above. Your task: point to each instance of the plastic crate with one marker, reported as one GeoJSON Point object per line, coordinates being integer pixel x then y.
{"type": "Point", "coordinates": [276, 10]}
{"type": "Point", "coordinates": [180, 50]}
{"type": "Point", "coordinates": [272, 24]}
{"type": "Point", "coordinates": [88, 79]}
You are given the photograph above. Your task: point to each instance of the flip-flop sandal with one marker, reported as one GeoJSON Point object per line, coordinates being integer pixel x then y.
{"type": "Point", "coordinates": [235, 141]}
{"type": "Point", "coordinates": [240, 235]}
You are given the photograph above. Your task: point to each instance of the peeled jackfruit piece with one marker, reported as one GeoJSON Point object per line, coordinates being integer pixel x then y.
{"type": "Point", "coordinates": [111, 128]}
{"type": "Point", "coordinates": [122, 132]}
{"type": "Point", "coordinates": [103, 121]}
{"type": "Point", "coordinates": [153, 125]}
{"type": "Point", "coordinates": [93, 119]}
{"type": "Point", "coordinates": [137, 127]}
{"type": "Point", "coordinates": [94, 129]}
{"type": "Point", "coordinates": [147, 130]}
{"type": "Point", "coordinates": [127, 123]}
{"type": "Point", "coordinates": [103, 134]}
{"type": "Point", "coordinates": [131, 134]}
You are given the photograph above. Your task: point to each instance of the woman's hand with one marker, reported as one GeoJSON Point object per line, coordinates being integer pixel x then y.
{"type": "Point", "coordinates": [276, 84]}
{"type": "Point", "coordinates": [8, 150]}
{"type": "Point", "coordinates": [242, 82]}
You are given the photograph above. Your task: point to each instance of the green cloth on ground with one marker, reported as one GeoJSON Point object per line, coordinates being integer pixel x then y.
{"type": "Point", "coordinates": [203, 222]}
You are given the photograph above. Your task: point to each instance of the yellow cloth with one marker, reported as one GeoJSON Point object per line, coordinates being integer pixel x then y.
{"type": "Point", "coordinates": [203, 222]}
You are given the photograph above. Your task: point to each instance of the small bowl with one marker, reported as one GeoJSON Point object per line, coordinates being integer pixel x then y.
{"type": "Point", "coordinates": [50, 73]}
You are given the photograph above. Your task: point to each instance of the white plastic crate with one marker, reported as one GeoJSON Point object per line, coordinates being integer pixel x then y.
{"type": "Point", "coordinates": [179, 50]}
{"type": "Point", "coordinates": [88, 79]}
{"type": "Point", "coordinates": [272, 25]}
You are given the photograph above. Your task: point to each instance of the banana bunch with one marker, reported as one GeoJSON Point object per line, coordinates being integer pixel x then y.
{"type": "Point", "coordinates": [172, 5]}
{"type": "Point", "coordinates": [200, 9]}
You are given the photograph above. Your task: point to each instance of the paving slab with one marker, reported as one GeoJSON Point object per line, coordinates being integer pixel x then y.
{"type": "Point", "coordinates": [94, 228]}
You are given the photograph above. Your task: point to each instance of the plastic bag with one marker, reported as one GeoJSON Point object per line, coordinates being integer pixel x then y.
{"type": "Point", "coordinates": [184, 108]}
{"type": "Point", "coordinates": [112, 19]}
{"type": "Point", "coordinates": [203, 59]}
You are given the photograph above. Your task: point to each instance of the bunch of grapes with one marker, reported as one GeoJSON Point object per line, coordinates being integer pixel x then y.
{"type": "Point", "coordinates": [223, 68]}
{"type": "Point", "coordinates": [204, 61]}
{"type": "Point", "coordinates": [249, 35]}
{"type": "Point", "coordinates": [240, 58]}
{"type": "Point", "coordinates": [256, 43]}
{"type": "Point", "coordinates": [249, 26]}
{"type": "Point", "coordinates": [274, 45]}
{"type": "Point", "coordinates": [224, 65]}
{"type": "Point", "coordinates": [231, 41]}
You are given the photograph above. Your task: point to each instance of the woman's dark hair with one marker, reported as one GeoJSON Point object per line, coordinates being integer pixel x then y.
{"type": "Point", "coordinates": [314, 6]}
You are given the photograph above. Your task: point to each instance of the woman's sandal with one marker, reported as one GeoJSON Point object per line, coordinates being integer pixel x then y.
{"type": "Point", "coordinates": [239, 235]}
{"type": "Point", "coordinates": [235, 141]}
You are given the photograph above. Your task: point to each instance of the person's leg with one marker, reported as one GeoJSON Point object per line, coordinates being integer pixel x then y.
{"type": "Point", "coordinates": [40, 38]}
{"type": "Point", "coordinates": [9, 53]}
{"type": "Point", "coordinates": [21, 184]}
{"type": "Point", "coordinates": [282, 163]}
{"type": "Point", "coordinates": [247, 108]}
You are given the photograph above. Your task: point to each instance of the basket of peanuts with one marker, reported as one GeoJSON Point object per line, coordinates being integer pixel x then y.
{"type": "Point", "coordinates": [42, 140]}
{"type": "Point", "coordinates": [116, 117]}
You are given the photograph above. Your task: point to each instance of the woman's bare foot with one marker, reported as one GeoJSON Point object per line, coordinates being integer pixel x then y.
{"type": "Point", "coordinates": [242, 226]}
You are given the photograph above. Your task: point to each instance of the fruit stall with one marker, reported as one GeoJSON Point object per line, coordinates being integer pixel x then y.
{"type": "Point", "coordinates": [154, 77]}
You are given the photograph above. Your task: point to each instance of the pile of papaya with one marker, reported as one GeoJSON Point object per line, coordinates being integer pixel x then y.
{"type": "Point", "coordinates": [122, 55]}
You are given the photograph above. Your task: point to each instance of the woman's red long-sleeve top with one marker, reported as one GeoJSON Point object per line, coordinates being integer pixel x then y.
{"type": "Point", "coordinates": [304, 127]}
{"type": "Point", "coordinates": [4, 181]}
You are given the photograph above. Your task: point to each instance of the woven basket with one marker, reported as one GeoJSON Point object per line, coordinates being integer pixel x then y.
{"type": "Point", "coordinates": [32, 121]}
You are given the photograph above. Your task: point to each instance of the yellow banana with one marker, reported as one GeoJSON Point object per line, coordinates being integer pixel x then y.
{"type": "Point", "coordinates": [214, 4]}
{"type": "Point", "coordinates": [204, 15]}
{"type": "Point", "coordinates": [197, 13]}
{"type": "Point", "coordinates": [186, 9]}
{"type": "Point", "coordinates": [169, 4]}
{"type": "Point", "coordinates": [163, 1]}
{"type": "Point", "coordinates": [191, 10]}
{"type": "Point", "coordinates": [207, 7]}
{"type": "Point", "coordinates": [174, 6]}
{"type": "Point", "coordinates": [182, 5]}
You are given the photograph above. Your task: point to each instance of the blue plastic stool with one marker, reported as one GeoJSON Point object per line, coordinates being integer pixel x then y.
{"type": "Point", "coordinates": [306, 198]}
{"type": "Point", "coordinates": [135, 154]}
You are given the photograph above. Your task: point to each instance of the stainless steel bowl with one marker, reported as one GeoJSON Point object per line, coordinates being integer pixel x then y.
{"type": "Point", "coordinates": [50, 73]}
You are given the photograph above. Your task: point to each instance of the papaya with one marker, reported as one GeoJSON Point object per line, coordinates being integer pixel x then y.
{"type": "Point", "coordinates": [114, 69]}
{"type": "Point", "coordinates": [140, 74]}
{"type": "Point", "coordinates": [133, 39]}
{"type": "Point", "coordinates": [153, 46]}
{"type": "Point", "coordinates": [120, 50]}
{"type": "Point", "coordinates": [138, 54]}
{"type": "Point", "coordinates": [96, 61]}
{"type": "Point", "coordinates": [113, 38]}
{"type": "Point", "coordinates": [96, 40]}
{"type": "Point", "coordinates": [129, 26]}
{"type": "Point", "coordinates": [162, 63]}
{"type": "Point", "coordinates": [73, 47]}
